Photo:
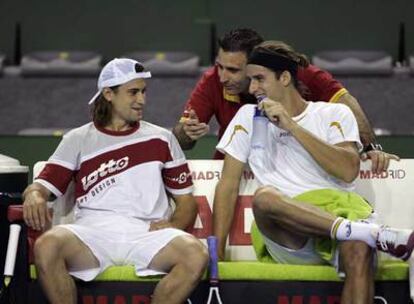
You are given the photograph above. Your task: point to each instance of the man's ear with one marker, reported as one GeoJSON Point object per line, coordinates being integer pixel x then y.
{"type": "Point", "coordinates": [108, 94]}
{"type": "Point", "coordinates": [286, 78]}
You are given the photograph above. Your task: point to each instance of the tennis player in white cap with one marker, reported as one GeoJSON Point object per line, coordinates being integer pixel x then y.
{"type": "Point", "coordinates": [124, 170]}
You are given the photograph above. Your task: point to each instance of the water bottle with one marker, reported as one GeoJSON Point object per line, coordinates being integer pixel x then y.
{"type": "Point", "coordinates": [260, 121]}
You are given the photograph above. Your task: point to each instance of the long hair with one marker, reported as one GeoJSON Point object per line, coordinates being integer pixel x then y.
{"type": "Point", "coordinates": [102, 109]}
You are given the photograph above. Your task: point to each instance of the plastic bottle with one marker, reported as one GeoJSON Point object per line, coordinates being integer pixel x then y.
{"type": "Point", "coordinates": [260, 121]}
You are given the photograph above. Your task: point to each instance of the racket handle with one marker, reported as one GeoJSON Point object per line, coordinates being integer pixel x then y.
{"type": "Point", "coordinates": [213, 265]}
{"type": "Point", "coordinates": [12, 250]}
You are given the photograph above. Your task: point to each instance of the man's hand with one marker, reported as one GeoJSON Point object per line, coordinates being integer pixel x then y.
{"type": "Point", "coordinates": [35, 212]}
{"type": "Point", "coordinates": [380, 160]}
{"type": "Point", "coordinates": [162, 224]}
{"type": "Point", "coordinates": [277, 113]}
{"type": "Point", "coordinates": [193, 128]}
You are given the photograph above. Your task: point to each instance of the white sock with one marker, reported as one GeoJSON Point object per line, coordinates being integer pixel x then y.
{"type": "Point", "coordinates": [345, 230]}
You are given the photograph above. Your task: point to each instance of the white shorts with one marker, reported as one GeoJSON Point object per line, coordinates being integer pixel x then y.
{"type": "Point", "coordinates": [120, 240]}
{"type": "Point", "coordinates": [303, 256]}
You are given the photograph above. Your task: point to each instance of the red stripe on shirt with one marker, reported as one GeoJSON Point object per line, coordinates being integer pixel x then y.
{"type": "Point", "coordinates": [57, 175]}
{"type": "Point", "coordinates": [177, 177]}
{"type": "Point", "coordinates": [116, 161]}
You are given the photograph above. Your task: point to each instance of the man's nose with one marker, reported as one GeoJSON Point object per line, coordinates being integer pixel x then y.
{"type": "Point", "coordinates": [141, 98]}
{"type": "Point", "coordinates": [253, 87]}
{"type": "Point", "coordinates": [224, 76]}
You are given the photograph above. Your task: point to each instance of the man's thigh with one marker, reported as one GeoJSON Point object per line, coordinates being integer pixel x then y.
{"type": "Point", "coordinates": [175, 252]}
{"type": "Point", "coordinates": [279, 234]}
{"type": "Point", "coordinates": [75, 253]}
{"type": "Point", "coordinates": [284, 232]}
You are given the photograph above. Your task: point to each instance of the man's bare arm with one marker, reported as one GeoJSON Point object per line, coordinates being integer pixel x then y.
{"type": "Point", "coordinates": [184, 215]}
{"type": "Point", "coordinates": [185, 211]}
{"type": "Point", "coordinates": [225, 199]}
{"type": "Point", "coordinates": [365, 130]}
{"type": "Point", "coordinates": [380, 160]}
{"type": "Point", "coordinates": [340, 160]}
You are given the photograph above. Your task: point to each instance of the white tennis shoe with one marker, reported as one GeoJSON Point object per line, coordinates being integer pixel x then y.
{"type": "Point", "coordinates": [396, 242]}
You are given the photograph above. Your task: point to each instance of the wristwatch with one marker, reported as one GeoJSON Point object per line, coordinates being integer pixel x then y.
{"type": "Point", "coordinates": [372, 146]}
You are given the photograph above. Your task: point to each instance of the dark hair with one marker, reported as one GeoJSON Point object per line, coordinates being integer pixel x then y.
{"type": "Point", "coordinates": [102, 109]}
{"type": "Point", "coordinates": [240, 40]}
{"type": "Point", "coordinates": [282, 49]}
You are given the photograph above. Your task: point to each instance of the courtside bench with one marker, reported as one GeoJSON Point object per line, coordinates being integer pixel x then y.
{"type": "Point", "coordinates": [243, 278]}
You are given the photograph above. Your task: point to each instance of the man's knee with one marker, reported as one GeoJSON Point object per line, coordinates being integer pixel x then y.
{"type": "Point", "coordinates": [266, 198]}
{"type": "Point", "coordinates": [195, 257]}
{"type": "Point", "coordinates": [46, 250]}
{"type": "Point", "coordinates": [356, 256]}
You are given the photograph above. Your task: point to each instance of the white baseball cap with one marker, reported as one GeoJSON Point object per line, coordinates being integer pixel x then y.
{"type": "Point", "coordinates": [119, 71]}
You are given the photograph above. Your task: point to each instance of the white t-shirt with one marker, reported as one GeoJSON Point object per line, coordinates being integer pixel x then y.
{"type": "Point", "coordinates": [284, 163]}
{"type": "Point", "coordinates": [128, 172]}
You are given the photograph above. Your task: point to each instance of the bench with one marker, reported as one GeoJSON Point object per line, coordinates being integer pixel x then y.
{"type": "Point", "coordinates": [243, 278]}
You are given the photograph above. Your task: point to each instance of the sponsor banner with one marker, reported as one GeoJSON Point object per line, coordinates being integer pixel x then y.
{"type": "Point", "coordinates": [391, 193]}
{"type": "Point", "coordinates": [206, 174]}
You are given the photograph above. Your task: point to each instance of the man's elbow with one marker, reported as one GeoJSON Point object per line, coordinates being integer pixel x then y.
{"type": "Point", "coordinates": [352, 171]}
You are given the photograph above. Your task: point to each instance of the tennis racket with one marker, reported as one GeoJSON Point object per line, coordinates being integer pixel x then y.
{"type": "Point", "coordinates": [214, 292]}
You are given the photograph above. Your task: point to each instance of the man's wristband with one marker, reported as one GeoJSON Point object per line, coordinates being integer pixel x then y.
{"type": "Point", "coordinates": [371, 147]}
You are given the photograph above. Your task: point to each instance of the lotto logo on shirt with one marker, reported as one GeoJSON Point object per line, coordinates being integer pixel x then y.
{"type": "Point", "coordinates": [104, 169]}
{"type": "Point", "coordinates": [181, 179]}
